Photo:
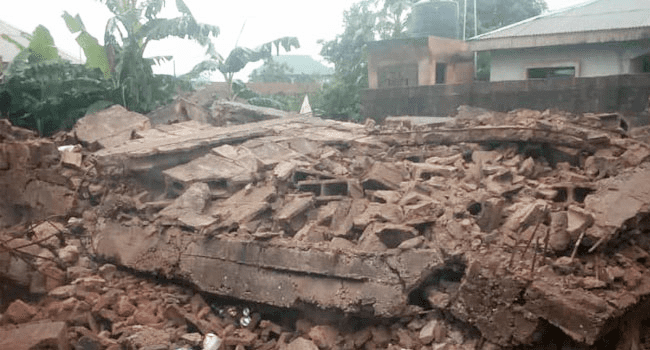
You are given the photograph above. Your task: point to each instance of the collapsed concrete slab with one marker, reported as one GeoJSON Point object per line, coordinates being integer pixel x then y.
{"type": "Point", "coordinates": [496, 228]}
{"type": "Point", "coordinates": [110, 127]}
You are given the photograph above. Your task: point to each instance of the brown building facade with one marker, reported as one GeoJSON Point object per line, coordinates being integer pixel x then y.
{"type": "Point", "coordinates": [419, 62]}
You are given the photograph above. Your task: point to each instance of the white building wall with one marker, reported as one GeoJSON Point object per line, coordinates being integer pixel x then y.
{"type": "Point", "coordinates": [588, 60]}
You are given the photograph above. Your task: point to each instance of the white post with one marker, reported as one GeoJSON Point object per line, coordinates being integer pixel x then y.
{"type": "Point", "coordinates": [464, 19]}
{"type": "Point", "coordinates": [475, 34]}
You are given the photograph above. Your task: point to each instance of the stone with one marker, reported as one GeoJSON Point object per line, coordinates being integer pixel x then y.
{"type": "Point", "coordinates": [527, 215]}
{"type": "Point", "coordinates": [427, 333]}
{"type": "Point", "coordinates": [77, 272]}
{"type": "Point", "coordinates": [193, 339]}
{"type": "Point", "coordinates": [124, 307]}
{"type": "Point", "coordinates": [20, 312]}
{"type": "Point", "coordinates": [578, 220]}
{"type": "Point", "coordinates": [107, 271]}
{"type": "Point", "coordinates": [559, 239]}
{"type": "Point", "coordinates": [145, 317]}
{"type": "Point", "coordinates": [144, 336]}
{"type": "Point", "coordinates": [490, 216]}
{"type": "Point", "coordinates": [53, 276]}
{"type": "Point", "coordinates": [71, 158]}
{"type": "Point", "coordinates": [88, 343]}
{"type": "Point", "coordinates": [63, 292]}
{"type": "Point", "coordinates": [301, 344]}
{"type": "Point", "coordinates": [45, 335]}
{"type": "Point", "coordinates": [69, 254]}
{"type": "Point", "coordinates": [90, 283]}
{"type": "Point", "coordinates": [240, 336]}
{"type": "Point", "coordinates": [324, 336]}
{"type": "Point", "coordinates": [109, 127]}
{"type": "Point", "coordinates": [382, 176]}
{"type": "Point", "coordinates": [188, 208]}
{"type": "Point", "coordinates": [47, 233]}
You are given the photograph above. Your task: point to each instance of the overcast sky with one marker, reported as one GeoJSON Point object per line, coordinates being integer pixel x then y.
{"type": "Point", "coordinates": [264, 20]}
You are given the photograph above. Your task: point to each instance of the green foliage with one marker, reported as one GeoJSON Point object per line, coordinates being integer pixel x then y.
{"type": "Point", "coordinates": [133, 26]}
{"type": "Point", "coordinates": [51, 95]}
{"type": "Point", "coordinates": [494, 14]}
{"type": "Point", "coordinates": [340, 99]}
{"type": "Point", "coordinates": [239, 57]}
{"type": "Point", "coordinates": [41, 46]}
{"type": "Point", "coordinates": [277, 101]}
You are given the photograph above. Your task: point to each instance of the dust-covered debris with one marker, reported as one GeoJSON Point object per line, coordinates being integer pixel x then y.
{"type": "Point", "coordinates": [487, 230]}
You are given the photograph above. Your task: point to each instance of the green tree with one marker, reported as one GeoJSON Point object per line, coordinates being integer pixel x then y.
{"type": "Point", "coordinates": [239, 57]}
{"type": "Point", "coordinates": [271, 72]}
{"type": "Point", "coordinates": [134, 25]}
{"type": "Point", "coordinates": [44, 92]}
{"type": "Point", "coordinates": [365, 21]}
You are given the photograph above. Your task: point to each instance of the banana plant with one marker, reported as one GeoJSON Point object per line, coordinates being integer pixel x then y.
{"type": "Point", "coordinates": [134, 25]}
{"type": "Point", "coordinates": [239, 57]}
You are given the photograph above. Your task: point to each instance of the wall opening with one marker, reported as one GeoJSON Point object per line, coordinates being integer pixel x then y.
{"type": "Point", "coordinates": [640, 64]}
{"type": "Point", "coordinates": [441, 73]}
{"type": "Point", "coordinates": [398, 75]}
{"type": "Point", "coordinates": [551, 72]}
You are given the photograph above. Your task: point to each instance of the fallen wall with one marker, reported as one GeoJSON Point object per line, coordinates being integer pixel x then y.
{"type": "Point", "coordinates": [625, 93]}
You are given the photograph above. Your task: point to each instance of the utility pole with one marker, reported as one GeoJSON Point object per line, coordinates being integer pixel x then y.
{"type": "Point", "coordinates": [475, 34]}
{"type": "Point", "coordinates": [464, 19]}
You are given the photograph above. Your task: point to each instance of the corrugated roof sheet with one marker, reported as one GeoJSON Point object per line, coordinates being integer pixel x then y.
{"type": "Point", "coordinates": [8, 50]}
{"type": "Point", "coordinates": [591, 16]}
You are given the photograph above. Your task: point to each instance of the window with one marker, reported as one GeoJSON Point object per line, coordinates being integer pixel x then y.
{"type": "Point", "coordinates": [441, 73]}
{"type": "Point", "coordinates": [399, 75]}
{"type": "Point", "coordinates": [551, 72]}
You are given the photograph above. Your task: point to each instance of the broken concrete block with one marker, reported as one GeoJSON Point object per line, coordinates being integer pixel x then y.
{"type": "Point", "coordinates": [578, 220]}
{"type": "Point", "coordinates": [69, 254]}
{"type": "Point", "coordinates": [392, 235]}
{"type": "Point", "coordinates": [486, 157]}
{"type": "Point", "coordinates": [145, 336]}
{"type": "Point", "coordinates": [271, 153]}
{"type": "Point", "coordinates": [71, 158]}
{"type": "Point", "coordinates": [20, 312]}
{"type": "Point", "coordinates": [244, 205]}
{"type": "Point", "coordinates": [301, 344]}
{"type": "Point", "coordinates": [383, 196]}
{"type": "Point", "coordinates": [324, 337]}
{"type": "Point", "coordinates": [382, 176]}
{"type": "Point", "coordinates": [189, 208]}
{"type": "Point", "coordinates": [527, 215]}
{"type": "Point", "coordinates": [45, 335]}
{"type": "Point", "coordinates": [426, 171]}
{"type": "Point", "coordinates": [213, 169]}
{"type": "Point", "coordinates": [559, 238]}
{"type": "Point", "coordinates": [620, 199]}
{"type": "Point", "coordinates": [383, 212]}
{"type": "Point", "coordinates": [342, 219]}
{"type": "Point", "coordinates": [490, 214]}
{"type": "Point", "coordinates": [296, 206]}
{"type": "Point", "coordinates": [48, 233]}
{"type": "Point", "coordinates": [110, 127]}
{"type": "Point", "coordinates": [433, 331]}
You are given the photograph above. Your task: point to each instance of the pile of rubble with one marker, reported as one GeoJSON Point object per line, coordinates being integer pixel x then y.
{"type": "Point", "coordinates": [484, 230]}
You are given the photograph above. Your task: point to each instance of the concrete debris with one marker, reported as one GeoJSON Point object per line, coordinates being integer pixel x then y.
{"type": "Point", "coordinates": [45, 335]}
{"type": "Point", "coordinates": [109, 127]}
{"type": "Point", "coordinates": [229, 112]}
{"type": "Point", "coordinates": [486, 230]}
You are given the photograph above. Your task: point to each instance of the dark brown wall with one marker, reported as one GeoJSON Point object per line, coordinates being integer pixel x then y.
{"type": "Point", "coordinates": [625, 93]}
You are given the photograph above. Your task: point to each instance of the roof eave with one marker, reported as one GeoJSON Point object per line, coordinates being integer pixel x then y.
{"type": "Point", "coordinates": [559, 39]}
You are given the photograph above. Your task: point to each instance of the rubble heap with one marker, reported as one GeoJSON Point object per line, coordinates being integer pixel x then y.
{"type": "Point", "coordinates": [517, 224]}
